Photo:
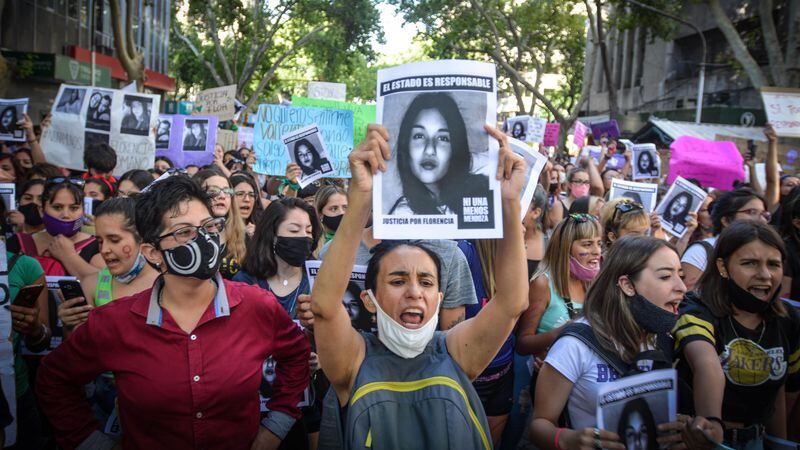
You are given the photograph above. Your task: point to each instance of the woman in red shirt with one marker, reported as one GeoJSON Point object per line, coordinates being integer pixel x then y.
{"type": "Point", "coordinates": [187, 354]}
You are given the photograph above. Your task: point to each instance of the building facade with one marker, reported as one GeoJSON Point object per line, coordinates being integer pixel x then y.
{"type": "Point", "coordinates": [49, 42]}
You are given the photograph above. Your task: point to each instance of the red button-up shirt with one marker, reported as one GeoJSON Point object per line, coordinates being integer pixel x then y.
{"type": "Point", "coordinates": [178, 390]}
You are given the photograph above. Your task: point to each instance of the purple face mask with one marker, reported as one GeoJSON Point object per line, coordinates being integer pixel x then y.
{"type": "Point", "coordinates": [56, 226]}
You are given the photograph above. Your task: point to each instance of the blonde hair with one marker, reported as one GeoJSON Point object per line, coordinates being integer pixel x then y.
{"type": "Point", "coordinates": [234, 232]}
{"type": "Point", "coordinates": [486, 249]}
{"type": "Point", "coordinates": [573, 228]}
{"type": "Point", "coordinates": [613, 224]}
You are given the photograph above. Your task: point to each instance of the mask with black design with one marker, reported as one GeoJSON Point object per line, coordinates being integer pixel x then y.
{"type": "Point", "coordinates": [199, 258]}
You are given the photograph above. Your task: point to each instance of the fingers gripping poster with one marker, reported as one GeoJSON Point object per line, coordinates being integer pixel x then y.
{"type": "Point", "coordinates": [440, 181]}
{"type": "Point", "coordinates": [84, 115]}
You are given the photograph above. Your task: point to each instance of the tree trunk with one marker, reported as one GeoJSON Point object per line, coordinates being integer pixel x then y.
{"type": "Point", "coordinates": [738, 46]}
{"type": "Point", "coordinates": [613, 108]}
{"type": "Point", "coordinates": [132, 61]}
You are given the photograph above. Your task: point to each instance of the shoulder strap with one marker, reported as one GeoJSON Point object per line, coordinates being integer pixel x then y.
{"type": "Point", "coordinates": [585, 334]}
{"type": "Point", "coordinates": [706, 246]}
{"type": "Point", "coordinates": [27, 244]}
{"type": "Point", "coordinates": [12, 261]}
{"type": "Point", "coordinates": [84, 243]}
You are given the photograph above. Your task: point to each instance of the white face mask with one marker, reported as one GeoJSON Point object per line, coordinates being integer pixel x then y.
{"type": "Point", "coordinates": [400, 340]}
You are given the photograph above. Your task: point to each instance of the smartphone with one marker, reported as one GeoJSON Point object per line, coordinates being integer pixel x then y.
{"type": "Point", "coordinates": [27, 296]}
{"type": "Point", "coordinates": [71, 289]}
{"type": "Point", "coordinates": [751, 149]}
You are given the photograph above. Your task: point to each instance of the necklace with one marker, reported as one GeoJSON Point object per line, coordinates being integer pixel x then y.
{"type": "Point", "coordinates": [763, 328]}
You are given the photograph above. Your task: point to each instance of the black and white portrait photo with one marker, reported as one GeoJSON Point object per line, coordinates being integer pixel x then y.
{"type": "Point", "coordinates": [195, 135]}
{"type": "Point", "coordinates": [163, 131]}
{"type": "Point", "coordinates": [70, 101]}
{"type": "Point", "coordinates": [11, 112]}
{"type": "Point", "coordinates": [136, 115]}
{"type": "Point", "coordinates": [535, 163]}
{"type": "Point", "coordinates": [98, 114]}
{"type": "Point", "coordinates": [441, 155]}
{"type": "Point", "coordinates": [682, 198]}
{"type": "Point", "coordinates": [307, 149]}
{"type": "Point", "coordinates": [637, 426]}
{"type": "Point", "coordinates": [645, 162]}
{"type": "Point", "coordinates": [518, 127]}
{"type": "Point", "coordinates": [645, 194]}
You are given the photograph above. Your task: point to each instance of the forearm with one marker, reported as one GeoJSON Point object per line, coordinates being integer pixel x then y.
{"type": "Point", "coordinates": [510, 267]}
{"type": "Point", "coordinates": [772, 193]}
{"type": "Point", "coordinates": [754, 183]}
{"type": "Point", "coordinates": [450, 317]}
{"type": "Point", "coordinates": [537, 344]}
{"type": "Point", "coordinates": [37, 154]}
{"type": "Point", "coordinates": [595, 181]}
{"type": "Point", "coordinates": [77, 266]}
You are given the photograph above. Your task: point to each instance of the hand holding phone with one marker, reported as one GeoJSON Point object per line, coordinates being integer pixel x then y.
{"type": "Point", "coordinates": [71, 289]}
{"type": "Point", "coordinates": [28, 295]}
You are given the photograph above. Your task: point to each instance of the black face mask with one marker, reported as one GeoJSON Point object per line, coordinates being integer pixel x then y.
{"type": "Point", "coordinates": [294, 250]}
{"type": "Point", "coordinates": [332, 222]}
{"type": "Point", "coordinates": [746, 301]}
{"type": "Point", "coordinates": [31, 213]}
{"type": "Point", "coordinates": [553, 188]}
{"type": "Point", "coordinates": [650, 317]}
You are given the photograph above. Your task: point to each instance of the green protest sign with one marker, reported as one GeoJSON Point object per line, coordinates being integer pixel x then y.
{"type": "Point", "coordinates": [363, 115]}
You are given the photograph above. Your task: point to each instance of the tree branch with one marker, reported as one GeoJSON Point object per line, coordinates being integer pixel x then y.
{"type": "Point", "coordinates": [739, 48]}
{"type": "Point", "coordinates": [254, 59]}
{"type": "Point", "coordinates": [198, 55]}
{"type": "Point", "coordinates": [116, 28]}
{"type": "Point", "coordinates": [129, 30]}
{"type": "Point", "coordinates": [271, 73]}
{"type": "Point", "coordinates": [214, 35]}
{"type": "Point", "coordinates": [772, 43]}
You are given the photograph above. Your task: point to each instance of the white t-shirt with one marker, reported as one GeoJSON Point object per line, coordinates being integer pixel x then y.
{"type": "Point", "coordinates": [586, 370]}
{"type": "Point", "coordinates": [696, 254]}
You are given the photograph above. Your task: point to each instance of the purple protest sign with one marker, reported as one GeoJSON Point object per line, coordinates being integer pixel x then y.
{"type": "Point", "coordinates": [608, 128]}
{"type": "Point", "coordinates": [714, 164]}
{"type": "Point", "coordinates": [186, 140]}
{"type": "Point", "coordinates": [579, 136]}
{"type": "Point", "coordinates": [551, 134]}
{"type": "Point", "coordinates": [616, 162]}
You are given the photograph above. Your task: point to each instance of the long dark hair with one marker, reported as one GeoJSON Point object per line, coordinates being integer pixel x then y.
{"type": "Point", "coordinates": [419, 198]}
{"type": "Point", "coordinates": [259, 260]}
{"type": "Point", "coordinates": [712, 287]}
{"type": "Point", "coordinates": [681, 217]}
{"type": "Point", "coordinates": [639, 405]}
{"type": "Point", "coordinates": [729, 203]}
{"type": "Point", "coordinates": [316, 160]}
{"type": "Point", "coordinates": [258, 207]}
{"type": "Point", "coordinates": [790, 210]}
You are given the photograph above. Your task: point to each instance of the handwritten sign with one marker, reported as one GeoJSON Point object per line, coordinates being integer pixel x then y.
{"type": "Point", "coordinates": [229, 140]}
{"type": "Point", "coordinates": [537, 129]}
{"type": "Point", "coordinates": [83, 116]}
{"type": "Point", "coordinates": [782, 106]}
{"type": "Point", "coordinates": [550, 138]}
{"type": "Point", "coordinates": [187, 140]}
{"type": "Point", "coordinates": [274, 121]}
{"type": "Point", "coordinates": [713, 164]}
{"type": "Point", "coordinates": [219, 102]}
{"type": "Point", "coordinates": [609, 129]}
{"type": "Point", "coordinates": [327, 91]}
{"type": "Point", "coordinates": [579, 135]}
{"type": "Point", "coordinates": [363, 115]}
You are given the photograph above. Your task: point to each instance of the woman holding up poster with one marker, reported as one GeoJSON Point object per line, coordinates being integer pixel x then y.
{"type": "Point", "coordinates": [434, 160]}
{"type": "Point", "coordinates": [628, 313]}
{"type": "Point", "coordinates": [408, 359]}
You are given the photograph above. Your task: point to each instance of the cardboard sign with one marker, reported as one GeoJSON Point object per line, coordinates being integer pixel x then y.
{"type": "Point", "coordinates": [609, 129]}
{"type": "Point", "coordinates": [782, 106]}
{"type": "Point", "coordinates": [327, 91]}
{"type": "Point", "coordinates": [551, 131]}
{"type": "Point", "coordinates": [363, 115]}
{"type": "Point", "coordinates": [274, 121]}
{"type": "Point", "coordinates": [82, 116]}
{"type": "Point", "coordinates": [219, 102]}
{"type": "Point", "coordinates": [714, 164]}
{"type": "Point", "coordinates": [579, 136]}
{"type": "Point", "coordinates": [229, 140]}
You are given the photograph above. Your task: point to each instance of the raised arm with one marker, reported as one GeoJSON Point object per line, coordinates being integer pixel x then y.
{"type": "Point", "coordinates": [772, 192]}
{"type": "Point", "coordinates": [332, 329]}
{"type": "Point", "coordinates": [36, 150]}
{"type": "Point", "coordinates": [595, 180]}
{"type": "Point", "coordinates": [474, 343]}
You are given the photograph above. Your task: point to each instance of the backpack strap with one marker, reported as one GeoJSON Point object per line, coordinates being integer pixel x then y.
{"type": "Point", "coordinates": [27, 244]}
{"type": "Point", "coordinates": [11, 262]}
{"type": "Point", "coordinates": [706, 246]}
{"type": "Point", "coordinates": [84, 243]}
{"type": "Point", "coordinates": [585, 334]}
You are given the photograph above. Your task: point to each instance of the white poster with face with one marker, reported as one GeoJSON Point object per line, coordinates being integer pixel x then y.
{"type": "Point", "coordinates": [535, 162]}
{"type": "Point", "coordinates": [646, 163]}
{"type": "Point", "coordinates": [518, 127]}
{"type": "Point", "coordinates": [645, 194]}
{"type": "Point", "coordinates": [11, 112]}
{"type": "Point", "coordinates": [306, 148]}
{"type": "Point", "coordinates": [8, 192]}
{"type": "Point", "coordinates": [360, 317]}
{"type": "Point", "coordinates": [635, 405]}
{"type": "Point", "coordinates": [440, 182]}
{"type": "Point", "coordinates": [682, 198]}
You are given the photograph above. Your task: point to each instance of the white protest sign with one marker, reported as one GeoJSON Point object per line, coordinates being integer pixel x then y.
{"type": "Point", "coordinates": [535, 162]}
{"type": "Point", "coordinates": [782, 106]}
{"type": "Point", "coordinates": [536, 131]}
{"type": "Point", "coordinates": [327, 91]}
{"type": "Point", "coordinates": [644, 194]}
{"type": "Point", "coordinates": [83, 116]}
{"type": "Point", "coordinates": [220, 102]}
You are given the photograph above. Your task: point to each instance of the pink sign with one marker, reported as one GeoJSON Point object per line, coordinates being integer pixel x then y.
{"type": "Point", "coordinates": [713, 164]}
{"type": "Point", "coordinates": [551, 134]}
{"type": "Point", "coordinates": [579, 136]}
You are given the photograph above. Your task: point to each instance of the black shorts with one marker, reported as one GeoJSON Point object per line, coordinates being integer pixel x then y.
{"type": "Point", "coordinates": [495, 387]}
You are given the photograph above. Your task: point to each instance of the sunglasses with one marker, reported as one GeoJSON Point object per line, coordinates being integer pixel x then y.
{"type": "Point", "coordinates": [60, 180]}
{"type": "Point", "coordinates": [624, 208]}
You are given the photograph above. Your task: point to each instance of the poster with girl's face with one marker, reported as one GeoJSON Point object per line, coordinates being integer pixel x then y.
{"type": "Point", "coordinates": [646, 163]}
{"type": "Point", "coordinates": [682, 198]}
{"type": "Point", "coordinates": [11, 112]}
{"type": "Point", "coordinates": [360, 317]}
{"type": "Point", "coordinates": [440, 181]}
{"type": "Point", "coordinates": [306, 148]}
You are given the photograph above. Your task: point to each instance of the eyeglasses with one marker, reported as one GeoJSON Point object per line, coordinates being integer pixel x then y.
{"type": "Point", "coordinates": [189, 233]}
{"type": "Point", "coordinates": [582, 218]}
{"type": "Point", "coordinates": [756, 213]}
{"type": "Point", "coordinates": [214, 192]}
{"type": "Point", "coordinates": [243, 194]}
{"type": "Point", "coordinates": [624, 208]}
{"type": "Point", "coordinates": [585, 182]}
{"type": "Point", "coordinates": [59, 180]}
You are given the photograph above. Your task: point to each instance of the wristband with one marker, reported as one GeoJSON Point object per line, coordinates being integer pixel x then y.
{"type": "Point", "coordinates": [286, 182]}
{"type": "Point", "coordinates": [558, 434]}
